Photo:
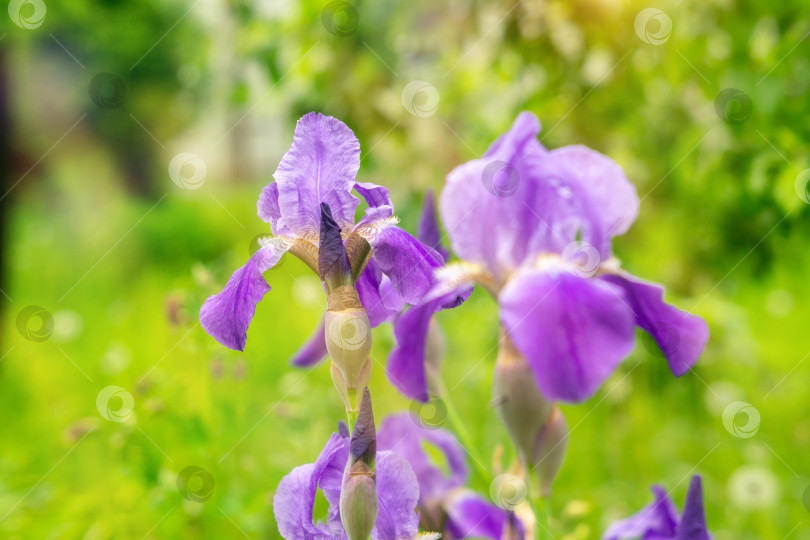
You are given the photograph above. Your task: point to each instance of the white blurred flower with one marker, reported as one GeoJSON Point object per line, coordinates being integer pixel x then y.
{"type": "Point", "coordinates": [753, 488]}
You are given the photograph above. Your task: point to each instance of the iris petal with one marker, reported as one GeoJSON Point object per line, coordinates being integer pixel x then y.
{"type": "Point", "coordinates": [313, 350]}
{"type": "Point", "coordinates": [402, 433]}
{"type": "Point", "coordinates": [379, 202]}
{"type": "Point", "coordinates": [693, 520]}
{"type": "Point", "coordinates": [378, 298]}
{"type": "Point", "coordinates": [227, 315]}
{"type": "Point", "coordinates": [681, 336]}
{"type": "Point", "coordinates": [405, 260]}
{"type": "Point", "coordinates": [294, 500]}
{"type": "Point", "coordinates": [469, 515]}
{"type": "Point", "coordinates": [573, 331]}
{"type": "Point", "coordinates": [320, 167]}
{"type": "Point", "coordinates": [398, 494]}
{"type": "Point", "coordinates": [406, 364]}
{"type": "Point", "coordinates": [655, 521]}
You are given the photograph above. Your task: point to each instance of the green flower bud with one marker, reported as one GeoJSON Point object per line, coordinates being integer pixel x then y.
{"type": "Point", "coordinates": [535, 425]}
{"type": "Point", "coordinates": [358, 500]}
{"type": "Point", "coordinates": [348, 336]}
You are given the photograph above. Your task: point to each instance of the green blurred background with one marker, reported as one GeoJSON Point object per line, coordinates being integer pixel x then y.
{"type": "Point", "coordinates": [97, 99]}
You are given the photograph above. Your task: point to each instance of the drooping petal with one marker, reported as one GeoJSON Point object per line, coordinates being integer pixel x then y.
{"type": "Point", "coordinates": [269, 212]}
{"type": "Point", "coordinates": [693, 519]}
{"type": "Point", "coordinates": [379, 202]}
{"type": "Point", "coordinates": [319, 167]}
{"type": "Point", "coordinates": [429, 233]}
{"type": "Point", "coordinates": [681, 336]}
{"type": "Point", "coordinates": [398, 494]}
{"type": "Point", "coordinates": [657, 521]}
{"type": "Point", "coordinates": [573, 331]}
{"type": "Point", "coordinates": [328, 471]}
{"type": "Point", "coordinates": [404, 259]}
{"type": "Point", "coordinates": [374, 290]}
{"type": "Point", "coordinates": [295, 497]}
{"type": "Point", "coordinates": [290, 497]}
{"type": "Point", "coordinates": [402, 434]}
{"type": "Point", "coordinates": [226, 316]}
{"type": "Point", "coordinates": [470, 516]}
{"type": "Point", "coordinates": [406, 364]}
{"type": "Point", "coordinates": [313, 350]}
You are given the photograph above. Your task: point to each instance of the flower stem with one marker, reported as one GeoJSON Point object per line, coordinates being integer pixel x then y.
{"type": "Point", "coordinates": [461, 432]}
{"type": "Point", "coordinates": [351, 418]}
{"type": "Point", "coordinates": [540, 506]}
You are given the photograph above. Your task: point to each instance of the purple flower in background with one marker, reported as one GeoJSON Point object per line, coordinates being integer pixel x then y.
{"type": "Point", "coordinates": [660, 520]}
{"type": "Point", "coordinates": [534, 227]}
{"type": "Point", "coordinates": [429, 232]}
{"type": "Point", "coordinates": [294, 500]}
{"type": "Point", "coordinates": [320, 167]}
{"type": "Point", "coordinates": [444, 504]}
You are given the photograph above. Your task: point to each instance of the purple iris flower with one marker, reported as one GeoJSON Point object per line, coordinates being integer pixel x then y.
{"type": "Point", "coordinates": [389, 304]}
{"type": "Point", "coordinates": [660, 521]}
{"type": "Point", "coordinates": [320, 167]}
{"type": "Point", "coordinates": [534, 227]}
{"type": "Point", "coordinates": [445, 506]}
{"type": "Point", "coordinates": [397, 489]}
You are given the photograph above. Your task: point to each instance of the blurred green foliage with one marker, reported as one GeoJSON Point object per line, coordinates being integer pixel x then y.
{"type": "Point", "coordinates": [100, 237]}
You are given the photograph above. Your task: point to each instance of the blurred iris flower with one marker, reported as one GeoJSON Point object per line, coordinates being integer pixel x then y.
{"type": "Point", "coordinates": [660, 519]}
{"type": "Point", "coordinates": [444, 504]}
{"type": "Point", "coordinates": [397, 490]}
{"type": "Point", "coordinates": [534, 227]}
{"type": "Point", "coordinates": [320, 168]}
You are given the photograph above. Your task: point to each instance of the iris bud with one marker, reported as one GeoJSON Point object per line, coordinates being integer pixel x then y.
{"type": "Point", "coordinates": [358, 501]}
{"type": "Point", "coordinates": [348, 342]}
{"type": "Point", "coordinates": [552, 444]}
{"type": "Point", "coordinates": [348, 330]}
{"type": "Point", "coordinates": [358, 495]}
{"type": "Point", "coordinates": [535, 425]}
